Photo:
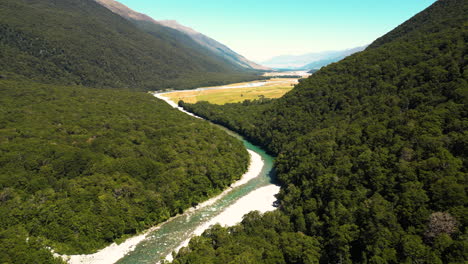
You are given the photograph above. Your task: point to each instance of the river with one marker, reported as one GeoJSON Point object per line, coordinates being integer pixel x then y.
{"type": "Point", "coordinates": [255, 191]}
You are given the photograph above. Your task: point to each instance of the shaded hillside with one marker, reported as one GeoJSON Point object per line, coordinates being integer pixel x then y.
{"type": "Point", "coordinates": [80, 169]}
{"type": "Point", "coordinates": [372, 156]}
{"type": "Point", "coordinates": [215, 48]}
{"type": "Point", "coordinates": [428, 22]}
{"type": "Point", "coordinates": [81, 42]}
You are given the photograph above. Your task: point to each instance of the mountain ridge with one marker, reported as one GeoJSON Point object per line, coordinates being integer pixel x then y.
{"type": "Point", "coordinates": [120, 8]}
{"type": "Point", "coordinates": [214, 45]}
{"type": "Point", "coordinates": [205, 41]}
{"type": "Point", "coordinates": [82, 42]}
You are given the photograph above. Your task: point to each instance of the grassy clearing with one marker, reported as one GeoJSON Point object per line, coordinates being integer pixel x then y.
{"type": "Point", "coordinates": [274, 88]}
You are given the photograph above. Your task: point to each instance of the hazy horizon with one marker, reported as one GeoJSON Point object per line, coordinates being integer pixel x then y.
{"type": "Point", "coordinates": [263, 29]}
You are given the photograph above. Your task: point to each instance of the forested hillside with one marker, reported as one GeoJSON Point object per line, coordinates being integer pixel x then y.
{"type": "Point", "coordinates": [81, 42]}
{"type": "Point", "coordinates": [195, 39]}
{"type": "Point", "coordinates": [372, 156]}
{"type": "Point", "coordinates": [82, 167]}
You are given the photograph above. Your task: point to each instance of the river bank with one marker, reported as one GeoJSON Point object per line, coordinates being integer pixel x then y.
{"type": "Point", "coordinates": [114, 252]}
{"type": "Point", "coordinates": [253, 191]}
{"type": "Point", "coordinates": [254, 201]}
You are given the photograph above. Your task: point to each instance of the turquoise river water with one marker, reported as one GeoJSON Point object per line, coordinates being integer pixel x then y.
{"type": "Point", "coordinates": [171, 234]}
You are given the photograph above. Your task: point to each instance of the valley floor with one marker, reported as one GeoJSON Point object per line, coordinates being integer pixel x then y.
{"type": "Point", "coordinates": [238, 92]}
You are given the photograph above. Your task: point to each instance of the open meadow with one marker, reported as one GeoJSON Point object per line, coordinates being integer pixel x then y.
{"type": "Point", "coordinates": [234, 93]}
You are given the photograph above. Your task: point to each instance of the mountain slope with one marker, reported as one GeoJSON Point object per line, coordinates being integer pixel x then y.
{"type": "Point", "coordinates": [427, 22]}
{"type": "Point", "coordinates": [372, 155]}
{"type": "Point", "coordinates": [124, 11]}
{"type": "Point", "coordinates": [81, 168]}
{"type": "Point", "coordinates": [81, 42]}
{"type": "Point", "coordinates": [214, 46]}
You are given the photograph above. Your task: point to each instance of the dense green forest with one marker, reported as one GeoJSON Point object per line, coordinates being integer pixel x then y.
{"type": "Point", "coordinates": [81, 42]}
{"type": "Point", "coordinates": [80, 167]}
{"type": "Point", "coordinates": [83, 167]}
{"type": "Point", "coordinates": [371, 153]}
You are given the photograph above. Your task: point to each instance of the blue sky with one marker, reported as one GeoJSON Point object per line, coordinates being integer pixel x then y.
{"type": "Point", "coordinates": [260, 29]}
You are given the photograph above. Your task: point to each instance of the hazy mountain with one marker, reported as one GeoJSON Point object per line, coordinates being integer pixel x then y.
{"type": "Point", "coordinates": [214, 45]}
{"type": "Point", "coordinates": [81, 42]}
{"type": "Point", "coordinates": [205, 41]}
{"type": "Point", "coordinates": [309, 61]}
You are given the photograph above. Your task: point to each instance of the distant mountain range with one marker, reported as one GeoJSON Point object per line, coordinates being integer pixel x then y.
{"type": "Point", "coordinates": [205, 41]}
{"type": "Point", "coordinates": [311, 60]}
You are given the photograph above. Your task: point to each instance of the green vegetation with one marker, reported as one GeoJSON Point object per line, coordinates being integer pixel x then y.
{"type": "Point", "coordinates": [81, 42]}
{"type": "Point", "coordinates": [274, 88]}
{"type": "Point", "coordinates": [372, 156]}
{"type": "Point", "coordinates": [82, 167]}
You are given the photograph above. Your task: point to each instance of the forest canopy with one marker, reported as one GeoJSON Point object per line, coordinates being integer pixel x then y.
{"type": "Point", "coordinates": [83, 167]}
{"type": "Point", "coordinates": [372, 156]}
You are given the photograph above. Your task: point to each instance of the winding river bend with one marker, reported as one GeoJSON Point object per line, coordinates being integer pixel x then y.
{"type": "Point", "coordinates": [253, 192]}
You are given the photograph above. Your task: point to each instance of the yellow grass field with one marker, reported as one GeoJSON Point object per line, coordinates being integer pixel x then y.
{"type": "Point", "coordinates": [273, 88]}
